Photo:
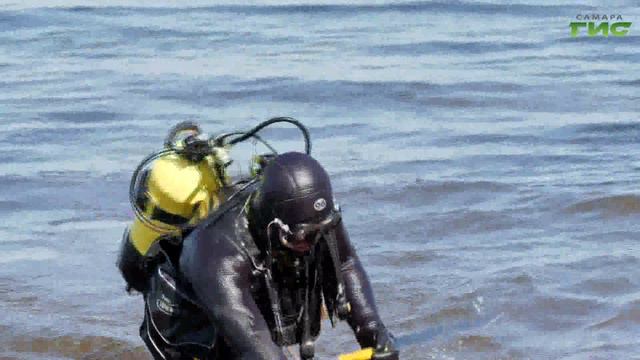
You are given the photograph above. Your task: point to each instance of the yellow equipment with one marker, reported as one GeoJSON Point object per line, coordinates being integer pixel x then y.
{"type": "Point", "coordinates": [177, 186]}
{"type": "Point", "coordinates": [364, 354]}
{"type": "Point", "coordinates": [172, 193]}
{"type": "Point", "coordinates": [173, 189]}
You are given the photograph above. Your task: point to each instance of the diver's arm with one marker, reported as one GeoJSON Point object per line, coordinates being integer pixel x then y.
{"type": "Point", "coordinates": [219, 274]}
{"type": "Point", "coordinates": [363, 317]}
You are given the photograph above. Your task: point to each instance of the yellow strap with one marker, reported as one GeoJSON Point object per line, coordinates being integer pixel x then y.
{"type": "Point", "coordinates": [364, 354]}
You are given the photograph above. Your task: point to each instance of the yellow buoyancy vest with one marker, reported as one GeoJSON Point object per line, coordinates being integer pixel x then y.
{"type": "Point", "coordinates": [174, 192]}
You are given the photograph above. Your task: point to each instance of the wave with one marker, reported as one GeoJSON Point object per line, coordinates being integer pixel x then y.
{"type": "Point", "coordinates": [524, 161]}
{"type": "Point", "coordinates": [627, 318]}
{"type": "Point", "coordinates": [449, 47]}
{"type": "Point", "coordinates": [10, 206]}
{"type": "Point", "coordinates": [28, 254]}
{"type": "Point", "coordinates": [165, 33]}
{"type": "Point", "coordinates": [553, 313]}
{"type": "Point", "coordinates": [476, 343]}
{"type": "Point", "coordinates": [613, 264]}
{"type": "Point", "coordinates": [426, 192]}
{"type": "Point", "coordinates": [18, 156]}
{"type": "Point", "coordinates": [84, 116]}
{"type": "Point", "coordinates": [476, 139]}
{"type": "Point", "coordinates": [76, 347]}
{"type": "Point", "coordinates": [472, 222]}
{"type": "Point", "coordinates": [424, 96]}
{"type": "Point", "coordinates": [573, 74]}
{"type": "Point", "coordinates": [619, 205]}
{"type": "Point", "coordinates": [593, 40]}
{"type": "Point", "coordinates": [338, 8]}
{"type": "Point", "coordinates": [604, 287]}
{"type": "Point", "coordinates": [628, 82]}
{"type": "Point", "coordinates": [11, 21]}
{"type": "Point", "coordinates": [511, 277]}
{"type": "Point", "coordinates": [602, 133]}
{"type": "Point", "coordinates": [605, 128]}
{"type": "Point", "coordinates": [610, 236]}
{"type": "Point", "coordinates": [262, 81]}
{"type": "Point", "coordinates": [11, 180]}
{"type": "Point", "coordinates": [537, 60]}
{"type": "Point", "coordinates": [452, 312]}
{"type": "Point", "coordinates": [366, 94]}
{"type": "Point", "coordinates": [402, 259]}
{"type": "Point", "coordinates": [607, 350]}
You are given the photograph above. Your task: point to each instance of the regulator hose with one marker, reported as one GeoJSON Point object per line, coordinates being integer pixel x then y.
{"type": "Point", "coordinates": [219, 141]}
{"type": "Point", "coordinates": [132, 188]}
{"type": "Point", "coordinates": [176, 129]}
{"type": "Point", "coordinates": [262, 125]}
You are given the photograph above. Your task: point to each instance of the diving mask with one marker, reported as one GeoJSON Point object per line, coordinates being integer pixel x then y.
{"type": "Point", "coordinates": [302, 237]}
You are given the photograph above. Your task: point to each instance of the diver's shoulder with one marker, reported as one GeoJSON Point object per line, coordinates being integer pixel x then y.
{"type": "Point", "coordinates": [218, 235]}
{"type": "Point", "coordinates": [222, 235]}
{"type": "Point", "coordinates": [209, 249]}
{"type": "Point", "coordinates": [231, 208]}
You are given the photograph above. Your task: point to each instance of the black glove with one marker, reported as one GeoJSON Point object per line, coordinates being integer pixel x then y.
{"type": "Point", "coordinates": [385, 346]}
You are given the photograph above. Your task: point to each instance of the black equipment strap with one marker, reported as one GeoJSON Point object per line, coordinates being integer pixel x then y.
{"type": "Point", "coordinates": [342, 305]}
{"type": "Point", "coordinates": [307, 346]}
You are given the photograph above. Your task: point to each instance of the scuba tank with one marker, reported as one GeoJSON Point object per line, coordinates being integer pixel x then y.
{"type": "Point", "coordinates": [170, 190]}
{"type": "Point", "coordinates": [174, 192]}
{"type": "Point", "coordinates": [175, 188]}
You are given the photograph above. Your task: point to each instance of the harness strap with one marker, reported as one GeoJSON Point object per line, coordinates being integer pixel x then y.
{"type": "Point", "coordinates": [307, 346]}
{"type": "Point", "coordinates": [251, 250]}
{"type": "Point", "coordinates": [342, 305]}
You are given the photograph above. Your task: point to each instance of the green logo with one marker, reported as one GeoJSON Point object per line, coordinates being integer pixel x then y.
{"type": "Point", "coordinates": [599, 25]}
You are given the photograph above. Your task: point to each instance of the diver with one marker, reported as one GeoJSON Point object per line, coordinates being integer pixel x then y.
{"type": "Point", "coordinates": [254, 276]}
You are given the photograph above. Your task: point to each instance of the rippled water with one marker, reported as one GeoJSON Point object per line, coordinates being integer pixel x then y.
{"type": "Point", "coordinates": [486, 161]}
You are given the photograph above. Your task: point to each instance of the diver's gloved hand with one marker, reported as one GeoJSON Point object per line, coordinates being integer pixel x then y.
{"type": "Point", "coordinates": [385, 346]}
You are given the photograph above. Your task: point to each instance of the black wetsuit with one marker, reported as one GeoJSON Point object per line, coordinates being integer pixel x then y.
{"type": "Point", "coordinates": [219, 265]}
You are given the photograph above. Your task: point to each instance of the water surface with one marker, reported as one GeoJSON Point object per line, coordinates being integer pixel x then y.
{"type": "Point", "coordinates": [487, 162]}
